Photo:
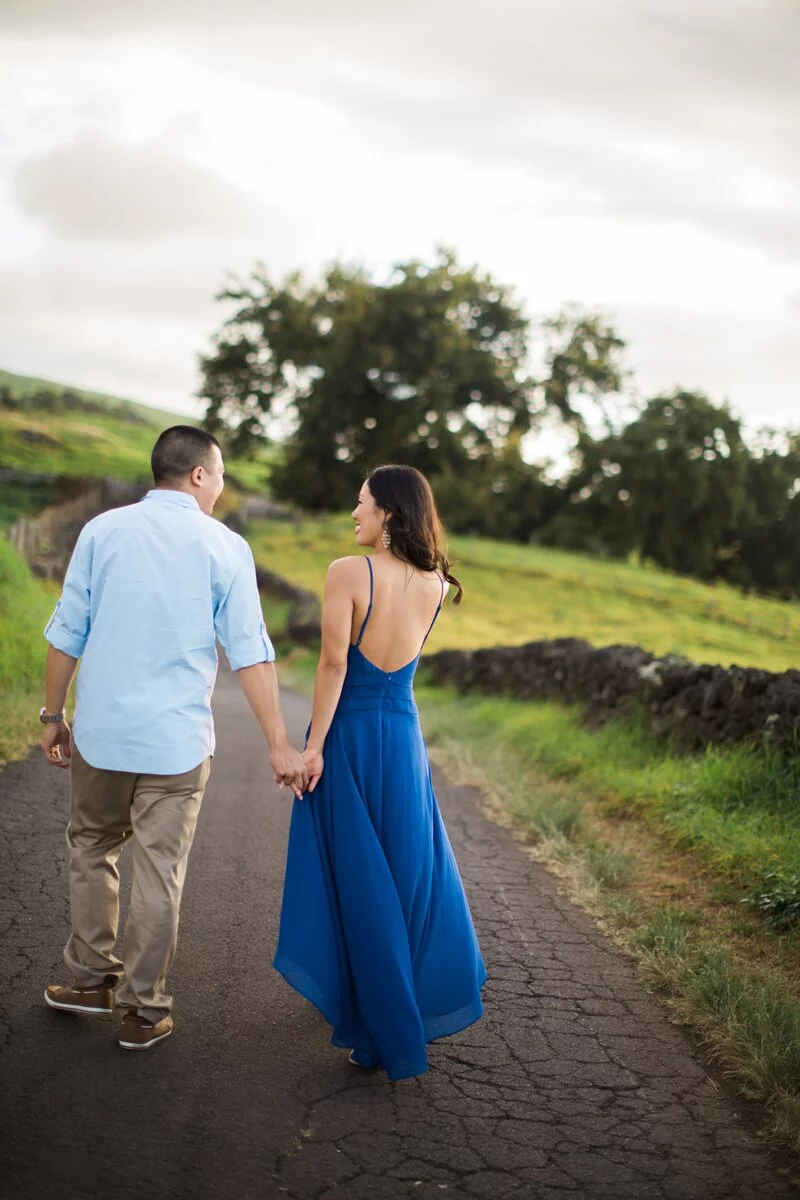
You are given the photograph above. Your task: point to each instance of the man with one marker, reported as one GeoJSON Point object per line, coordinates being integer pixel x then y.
{"type": "Point", "coordinates": [149, 589]}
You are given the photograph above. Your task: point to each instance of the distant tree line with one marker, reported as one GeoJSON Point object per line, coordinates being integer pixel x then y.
{"type": "Point", "coordinates": [432, 366]}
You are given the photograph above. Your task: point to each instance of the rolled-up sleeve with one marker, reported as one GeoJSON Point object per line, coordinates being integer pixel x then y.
{"type": "Point", "coordinates": [68, 628]}
{"type": "Point", "coordinates": [239, 622]}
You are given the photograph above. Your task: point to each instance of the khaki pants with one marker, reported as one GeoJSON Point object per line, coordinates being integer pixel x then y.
{"type": "Point", "coordinates": [160, 813]}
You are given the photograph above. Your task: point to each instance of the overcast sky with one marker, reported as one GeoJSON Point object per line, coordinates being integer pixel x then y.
{"type": "Point", "coordinates": [640, 156]}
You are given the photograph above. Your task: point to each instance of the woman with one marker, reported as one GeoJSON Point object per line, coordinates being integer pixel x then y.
{"type": "Point", "coordinates": [375, 928]}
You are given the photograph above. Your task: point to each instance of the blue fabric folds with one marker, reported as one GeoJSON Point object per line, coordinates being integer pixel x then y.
{"type": "Point", "coordinates": [375, 928]}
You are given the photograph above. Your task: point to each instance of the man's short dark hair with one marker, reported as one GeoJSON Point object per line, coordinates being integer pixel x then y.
{"type": "Point", "coordinates": [179, 450]}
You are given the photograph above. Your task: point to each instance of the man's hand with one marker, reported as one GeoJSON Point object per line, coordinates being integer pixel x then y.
{"type": "Point", "coordinates": [315, 765]}
{"type": "Point", "coordinates": [289, 768]}
{"type": "Point", "coordinates": [56, 744]}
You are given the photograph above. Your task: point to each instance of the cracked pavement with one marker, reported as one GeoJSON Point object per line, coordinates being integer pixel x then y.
{"type": "Point", "coordinates": [574, 1085]}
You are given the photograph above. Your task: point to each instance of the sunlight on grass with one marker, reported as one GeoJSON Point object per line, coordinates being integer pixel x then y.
{"type": "Point", "coordinates": [92, 445]}
{"type": "Point", "coordinates": [516, 594]}
{"type": "Point", "coordinates": [689, 799]}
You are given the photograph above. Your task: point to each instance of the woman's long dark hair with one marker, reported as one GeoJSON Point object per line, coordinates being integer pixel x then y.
{"type": "Point", "coordinates": [414, 523]}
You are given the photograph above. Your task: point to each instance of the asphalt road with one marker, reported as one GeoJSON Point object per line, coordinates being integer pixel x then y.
{"type": "Point", "coordinates": [573, 1086]}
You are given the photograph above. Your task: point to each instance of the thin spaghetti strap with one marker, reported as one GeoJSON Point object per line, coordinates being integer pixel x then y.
{"type": "Point", "coordinates": [435, 615]}
{"type": "Point", "coordinates": [369, 607]}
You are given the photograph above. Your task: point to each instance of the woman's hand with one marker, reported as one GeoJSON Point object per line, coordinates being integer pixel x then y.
{"type": "Point", "coordinates": [315, 764]}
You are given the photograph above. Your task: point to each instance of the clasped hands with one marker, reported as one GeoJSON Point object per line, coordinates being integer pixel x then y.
{"type": "Point", "coordinates": [300, 772]}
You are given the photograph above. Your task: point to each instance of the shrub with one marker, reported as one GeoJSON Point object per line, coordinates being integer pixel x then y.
{"type": "Point", "coordinates": [777, 899]}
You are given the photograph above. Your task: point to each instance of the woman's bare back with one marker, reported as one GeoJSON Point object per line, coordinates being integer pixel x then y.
{"type": "Point", "coordinates": [405, 601]}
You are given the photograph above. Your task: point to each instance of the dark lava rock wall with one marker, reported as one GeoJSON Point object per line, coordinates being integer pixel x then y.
{"type": "Point", "coordinates": [696, 705]}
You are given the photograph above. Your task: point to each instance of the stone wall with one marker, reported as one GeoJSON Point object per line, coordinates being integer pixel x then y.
{"type": "Point", "coordinates": [257, 508]}
{"type": "Point", "coordinates": [696, 705]}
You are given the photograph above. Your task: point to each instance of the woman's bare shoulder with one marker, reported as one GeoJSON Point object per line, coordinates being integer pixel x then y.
{"type": "Point", "coordinates": [343, 571]}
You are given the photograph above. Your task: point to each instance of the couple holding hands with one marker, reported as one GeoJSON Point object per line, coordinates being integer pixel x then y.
{"type": "Point", "coordinates": [375, 928]}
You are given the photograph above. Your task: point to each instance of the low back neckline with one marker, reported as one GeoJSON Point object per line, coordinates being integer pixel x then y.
{"type": "Point", "coordinates": [356, 645]}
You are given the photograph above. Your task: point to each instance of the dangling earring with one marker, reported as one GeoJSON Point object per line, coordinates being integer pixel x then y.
{"type": "Point", "coordinates": [386, 537]}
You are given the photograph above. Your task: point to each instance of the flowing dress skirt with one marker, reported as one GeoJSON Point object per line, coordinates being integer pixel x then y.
{"type": "Point", "coordinates": [375, 928]}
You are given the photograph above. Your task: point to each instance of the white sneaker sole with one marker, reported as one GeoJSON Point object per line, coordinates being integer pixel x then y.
{"type": "Point", "coordinates": [144, 1045]}
{"type": "Point", "coordinates": [79, 1008]}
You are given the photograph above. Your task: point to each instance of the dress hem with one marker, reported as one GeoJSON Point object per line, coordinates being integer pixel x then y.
{"type": "Point", "coordinates": [435, 1026]}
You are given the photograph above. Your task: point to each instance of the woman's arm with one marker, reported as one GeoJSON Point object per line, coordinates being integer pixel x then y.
{"type": "Point", "coordinates": [337, 622]}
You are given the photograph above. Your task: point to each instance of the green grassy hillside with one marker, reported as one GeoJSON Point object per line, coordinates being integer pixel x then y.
{"type": "Point", "coordinates": [28, 385]}
{"type": "Point", "coordinates": [515, 594]}
{"type": "Point", "coordinates": [25, 605]}
{"type": "Point", "coordinates": [93, 444]}
{"type": "Point", "coordinates": [76, 443]}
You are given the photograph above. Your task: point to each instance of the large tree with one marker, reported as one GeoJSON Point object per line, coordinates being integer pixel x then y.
{"type": "Point", "coordinates": [769, 527]}
{"type": "Point", "coordinates": [584, 377]}
{"type": "Point", "coordinates": [671, 486]}
{"type": "Point", "coordinates": [502, 496]}
{"type": "Point", "coordinates": [426, 366]}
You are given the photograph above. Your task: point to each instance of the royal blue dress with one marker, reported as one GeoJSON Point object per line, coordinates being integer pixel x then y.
{"type": "Point", "coordinates": [375, 928]}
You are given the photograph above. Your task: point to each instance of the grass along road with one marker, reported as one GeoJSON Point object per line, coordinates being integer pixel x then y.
{"type": "Point", "coordinates": [25, 605]}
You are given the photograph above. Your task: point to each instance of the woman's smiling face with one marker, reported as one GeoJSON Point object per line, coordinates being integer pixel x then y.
{"type": "Point", "coordinates": [368, 517]}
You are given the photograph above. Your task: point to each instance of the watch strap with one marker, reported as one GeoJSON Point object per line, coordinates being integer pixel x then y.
{"type": "Point", "coordinates": [50, 718]}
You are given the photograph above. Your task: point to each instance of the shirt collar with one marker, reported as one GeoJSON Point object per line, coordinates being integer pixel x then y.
{"type": "Point", "coordinates": [168, 496]}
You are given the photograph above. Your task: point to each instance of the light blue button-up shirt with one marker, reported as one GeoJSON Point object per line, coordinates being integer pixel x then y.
{"type": "Point", "coordinates": [149, 589]}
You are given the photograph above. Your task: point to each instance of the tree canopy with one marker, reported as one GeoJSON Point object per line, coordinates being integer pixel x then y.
{"type": "Point", "coordinates": [427, 367]}
{"type": "Point", "coordinates": [431, 365]}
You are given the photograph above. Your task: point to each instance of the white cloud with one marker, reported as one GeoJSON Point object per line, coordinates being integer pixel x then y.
{"type": "Point", "coordinates": [639, 156]}
{"type": "Point", "coordinates": [91, 188]}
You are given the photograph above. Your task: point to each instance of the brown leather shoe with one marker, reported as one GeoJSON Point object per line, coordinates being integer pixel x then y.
{"type": "Point", "coordinates": [96, 1001]}
{"type": "Point", "coordinates": [136, 1033]}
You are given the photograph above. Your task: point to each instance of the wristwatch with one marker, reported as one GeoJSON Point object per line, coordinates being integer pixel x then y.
{"type": "Point", "coordinates": [51, 718]}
